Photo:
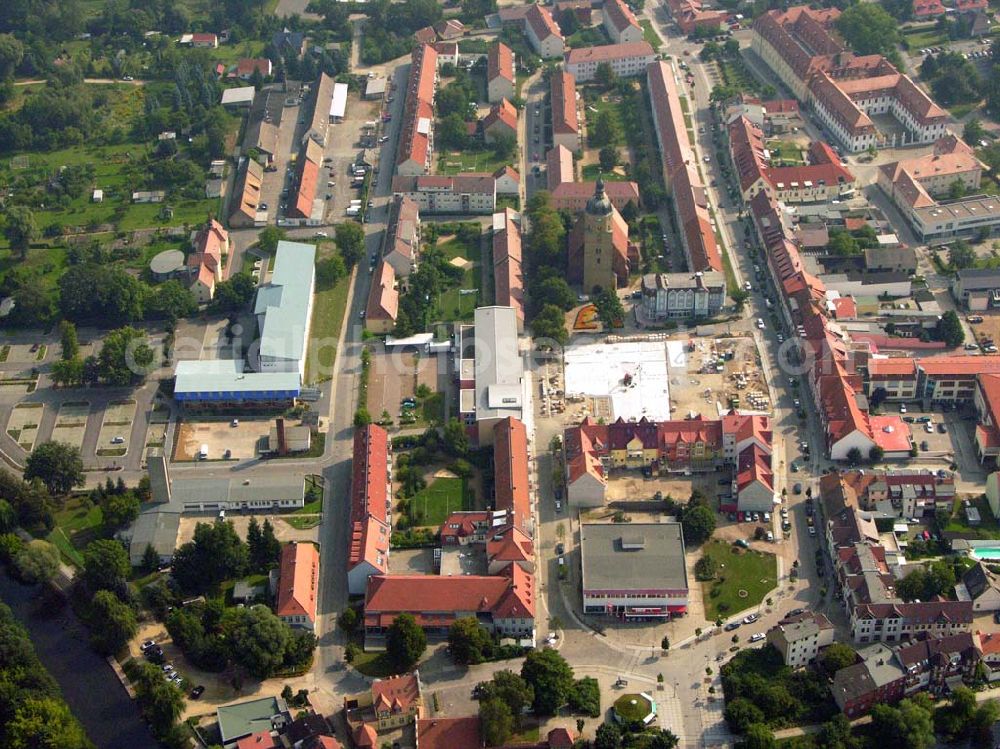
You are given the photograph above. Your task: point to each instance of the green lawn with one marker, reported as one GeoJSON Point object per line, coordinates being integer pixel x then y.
{"type": "Point", "coordinates": [960, 110]}
{"type": "Point", "coordinates": [925, 38]}
{"type": "Point", "coordinates": [314, 489]}
{"type": "Point", "coordinates": [303, 522]}
{"type": "Point", "coordinates": [597, 102]}
{"type": "Point", "coordinates": [453, 306]}
{"type": "Point", "coordinates": [591, 171]}
{"type": "Point", "coordinates": [432, 506]}
{"type": "Point", "coordinates": [632, 707]}
{"type": "Point", "coordinates": [784, 150]}
{"type": "Point", "coordinates": [738, 570]}
{"type": "Point", "coordinates": [374, 664]}
{"type": "Point", "coordinates": [77, 524]}
{"type": "Point", "coordinates": [329, 308]}
{"type": "Point", "coordinates": [592, 36]}
{"type": "Point", "coordinates": [649, 34]}
{"type": "Point", "coordinates": [735, 73]}
{"type": "Point", "coordinates": [457, 162]}
{"type": "Point", "coordinates": [957, 523]}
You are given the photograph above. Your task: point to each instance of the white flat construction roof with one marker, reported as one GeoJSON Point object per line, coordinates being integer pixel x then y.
{"type": "Point", "coordinates": [599, 369]}
{"type": "Point", "coordinates": [241, 95]}
{"type": "Point", "coordinates": [339, 103]}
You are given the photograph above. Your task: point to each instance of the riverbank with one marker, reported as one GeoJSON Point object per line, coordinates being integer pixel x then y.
{"type": "Point", "coordinates": [93, 693]}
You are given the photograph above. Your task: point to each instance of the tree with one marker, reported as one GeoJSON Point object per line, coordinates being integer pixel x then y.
{"type": "Point", "coordinates": [496, 722]}
{"type": "Point", "coordinates": [665, 643]}
{"type": "Point", "coordinates": [698, 524]}
{"type": "Point", "coordinates": [510, 689]}
{"type": "Point", "coordinates": [973, 131]}
{"type": "Point", "coordinates": [70, 343]}
{"type": "Point", "coordinates": [608, 736]}
{"type": "Point", "coordinates": [215, 554]}
{"type": "Point", "coordinates": [555, 290]}
{"type": "Point", "coordinates": [757, 736]}
{"type": "Point", "coordinates": [234, 293]}
{"type": "Point", "coordinates": [610, 309]}
{"type": "Point", "coordinates": [119, 510]}
{"type": "Point", "coordinates": [451, 132]}
{"type": "Point", "coordinates": [8, 517]}
{"type": "Point", "coordinates": [112, 623]}
{"type": "Point", "coordinates": [842, 243]}
{"type": "Point", "coordinates": [605, 131]}
{"type": "Point", "coordinates": [868, 29]}
{"type": "Point", "coordinates": [908, 724]}
{"type": "Point", "coordinates": [405, 642]}
{"type": "Point", "coordinates": [956, 189]}
{"type": "Point", "coordinates": [551, 325]}
{"type": "Point", "coordinates": [105, 565]}
{"type": "Point", "coordinates": [11, 54]}
{"type": "Point", "coordinates": [456, 440]}
{"type": "Point", "coordinates": [150, 559]}
{"type": "Point", "coordinates": [952, 721]}
{"type": "Point", "coordinates": [661, 738]}
{"type": "Point", "coordinates": [854, 456]}
{"type": "Point", "coordinates": [267, 240]}
{"type": "Point", "coordinates": [37, 561]}
{"type": "Point", "coordinates": [836, 734]}
{"type": "Point", "coordinates": [348, 620]}
{"type": "Point", "coordinates": [58, 465]}
{"type": "Point", "coordinates": [161, 701]}
{"type": "Point", "coordinates": [609, 158]}
{"type": "Point", "coordinates": [604, 76]}
{"type": "Point", "coordinates": [550, 677]}
{"type": "Point", "coordinates": [258, 639]}
{"type": "Point", "coordinates": [706, 568]}
{"type": "Point", "coordinates": [107, 293]}
{"type": "Point", "coordinates": [741, 713]}
{"type": "Point", "coordinates": [836, 657]}
{"type": "Point", "coordinates": [350, 239]}
{"type": "Point", "coordinates": [876, 453]}
{"type": "Point", "coordinates": [504, 146]}
{"type": "Point", "coordinates": [585, 697]}
{"type": "Point", "coordinates": [20, 228]}
{"type": "Point", "coordinates": [125, 356]}
{"type": "Point", "coordinates": [469, 641]}
{"type": "Point", "coordinates": [950, 330]}
{"type": "Point", "coordinates": [44, 721]}
{"type": "Point", "coordinates": [961, 255]}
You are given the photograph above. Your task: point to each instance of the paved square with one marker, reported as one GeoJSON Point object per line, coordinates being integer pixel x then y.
{"type": "Point", "coordinates": [71, 423]}
{"type": "Point", "coordinates": [23, 423]}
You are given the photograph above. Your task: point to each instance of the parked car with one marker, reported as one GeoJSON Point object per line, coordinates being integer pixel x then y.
{"type": "Point", "coordinates": [750, 618]}
{"type": "Point", "coordinates": [559, 549]}
{"type": "Point", "coordinates": [147, 645]}
{"type": "Point", "coordinates": [197, 692]}
{"type": "Point", "coordinates": [942, 428]}
{"type": "Point", "coordinates": [757, 636]}
{"type": "Point", "coordinates": [731, 626]}
{"type": "Point", "coordinates": [924, 446]}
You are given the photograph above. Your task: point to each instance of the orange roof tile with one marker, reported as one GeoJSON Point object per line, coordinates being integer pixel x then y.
{"type": "Point", "coordinates": [298, 580]}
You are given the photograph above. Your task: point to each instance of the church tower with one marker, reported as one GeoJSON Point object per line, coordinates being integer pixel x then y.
{"type": "Point", "coordinates": [598, 242]}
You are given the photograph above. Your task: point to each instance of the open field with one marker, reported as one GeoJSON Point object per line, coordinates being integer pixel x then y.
{"type": "Point", "coordinates": [957, 522]}
{"type": "Point", "coordinates": [743, 578]}
{"type": "Point", "coordinates": [77, 524]}
{"type": "Point", "coordinates": [455, 162]}
{"type": "Point", "coordinates": [443, 496]}
{"type": "Point", "coordinates": [453, 305]}
{"type": "Point", "coordinates": [329, 308]}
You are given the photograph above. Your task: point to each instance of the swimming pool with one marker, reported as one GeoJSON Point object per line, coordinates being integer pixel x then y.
{"type": "Point", "coordinates": [989, 553]}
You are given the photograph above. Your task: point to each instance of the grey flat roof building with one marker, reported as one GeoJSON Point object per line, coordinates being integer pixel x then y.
{"type": "Point", "coordinates": [632, 557]}
{"type": "Point", "coordinates": [157, 528]}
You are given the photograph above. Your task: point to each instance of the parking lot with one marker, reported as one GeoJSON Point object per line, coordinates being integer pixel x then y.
{"type": "Point", "coordinates": [242, 441]}
{"type": "Point", "coordinates": [116, 428]}
{"type": "Point", "coordinates": [23, 424]}
{"type": "Point", "coordinates": [71, 423]}
{"type": "Point", "coordinates": [926, 430]}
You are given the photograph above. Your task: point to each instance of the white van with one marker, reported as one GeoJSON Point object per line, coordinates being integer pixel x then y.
{"type": "Point", "coordinates": [203, 453]}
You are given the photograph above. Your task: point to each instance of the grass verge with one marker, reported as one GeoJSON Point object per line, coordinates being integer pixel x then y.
{"type": "Point", "coordinates": [743, 578]}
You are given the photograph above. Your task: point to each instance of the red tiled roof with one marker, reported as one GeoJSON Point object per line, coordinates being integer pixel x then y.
{"type": "Point", "coordinates": [365, 735]}
{"type": "Point", "coordinates": [426, 35]}
{"type": "Point", "coordinates": [463, 523]}
{"type": "Point", "coordinates": [897, 439]}
{"type": "Point", "coordinates": [414, 138]}
{"type": "Point", "coordinates": [298, 580]}
{"type": "Point", "coordinates": [894, 367]}
{"type": "Point", "coordinates": [845, 308]}
{"type": "Point", "coordinates": [247, 65]}
{"type": "Point", "coordinates": [540, 20]}
{"type": "Point", "coordinates": [499, 62]}
{"type": "Point", "coordinates": [989, 388]}
{"type": "Point", "coordinates": [451, 28]}
{"type": "Point", "coordinates": [754, 466]}
{"type": "Point", "coordinates": [508, 278]}
{"type": "Point", "coordinates": [959, 366]}
{"type": "Point", "coordinates": [306, 179]}
{"type": "Point", "coordinates": [449, 733]}
{"type": "Point", "coordinates": [503, 112]}
{"type": "Point", "coordinates": [620, 15]}
{"type": "Point", "coordinates": [436, 601]}
{"type": "Point", "coordinates": [383, 297]}
{"type": "Point", "coordinates": [396, 693]}
{"type": "Point", "coordinates": [563, 101]}
{"type": "Point", "coordinates": [369, 496]}
{"type": "Point", "coordinates": [607, 52]}
{"type": "Point", "coordinates": [259, 740]}
{"type": "Point", "coordinates": [511, 480]}
{"type": "Point", "coordinates": [511, 545]}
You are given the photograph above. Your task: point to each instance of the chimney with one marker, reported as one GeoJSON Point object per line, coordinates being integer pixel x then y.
{"type": "Point", "coordinates": [282, 443]}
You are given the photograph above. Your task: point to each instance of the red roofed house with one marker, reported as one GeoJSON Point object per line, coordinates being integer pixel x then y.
{"type": "Point", "coordinates": [449, 29]}
{"type": "Point", "coordinates": [987, 401]}
{"type": "Point", "coordinates": [507, 547]}
{"type": "Point", "coordinates": [625, 60]}
{"type": "Point", "coordinates": [542, 32]}
{"type": "Point", "coordinates": [211, 243]}
{"type": "Point", "coordinates": [259, 740]}
{"type": "Point", "coordinates": [247, 66]}
{"type": "Point", "coordinates": [449, 733]}
{"type": "Point", "coordinates": [465, 527]}
{"type": "Point", "coordinates": [689, 16]}
{"type": "Point", "coordinates": [510, 467]}
{"type": "Point", "coordinates": [370, 498]}
{"type": "Point", "coordinates": [390, 703]}
{"type": "Point", "coordinates": [364, 736]}
{"type": "Point", "coordinates": [426, 35]}
{"type": "Point", "coordinates": [508, 181]}
{"type": "Point", "coordinates": [926, 9]}
{"type": "Point", "coordinates": [891, 434]}
{"type": "Point", "coordinates": [508, 275]}
{"type": "Point", "coordinates": [504, 604]}
{"type": "Point", "coordinates": [499, 72]}
{"type": "Point", "coordinates": [502, 120]}
{"type": "Point", "coordinates": [298, 585]}
{"type": "Point", "coordinates": [414, 148]}
{"type": "Point", "coordinates": [565, 119]}
{"type": "Point", "coordinates": [200, 40]}
{"type": "Point", "coordinates": [383, 301]}
{"type": "Point", "coordinates": [620, 23]}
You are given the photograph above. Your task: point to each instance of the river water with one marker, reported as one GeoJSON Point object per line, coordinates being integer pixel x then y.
{"type": "Point", "coordinates": [91, 689]}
